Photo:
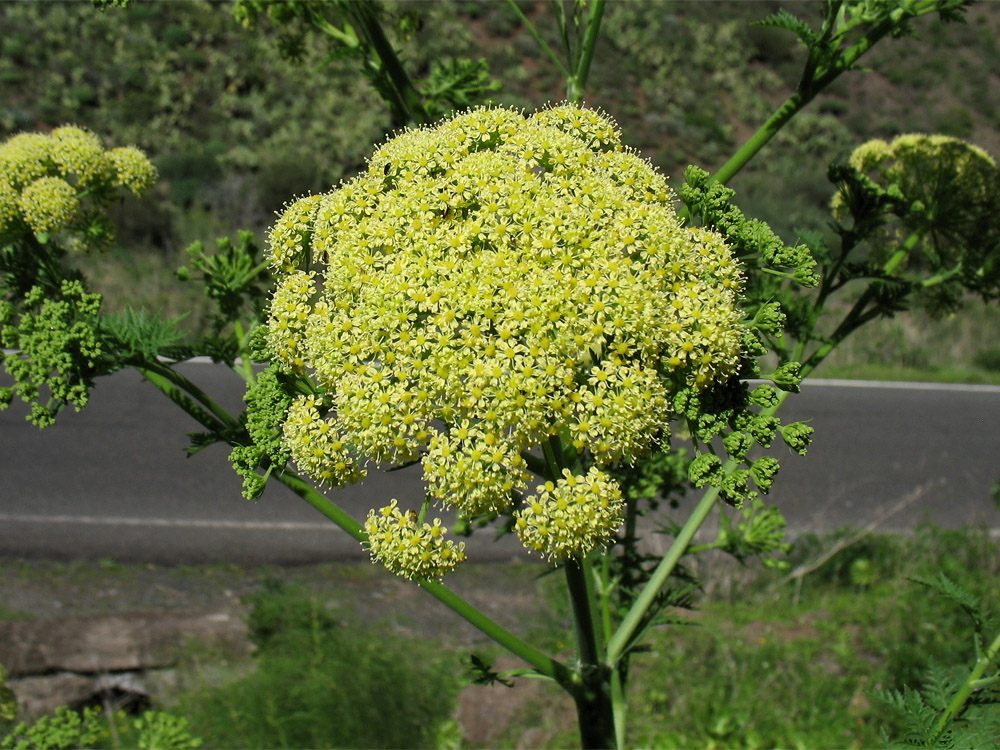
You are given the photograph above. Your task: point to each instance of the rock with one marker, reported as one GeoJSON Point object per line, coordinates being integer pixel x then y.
{"type": "Point", "coordinates": [40, 695]}
{"type": "Point", "coordinates": [100, 644]}
{"type": "Point", "coordinates": [43, 694]}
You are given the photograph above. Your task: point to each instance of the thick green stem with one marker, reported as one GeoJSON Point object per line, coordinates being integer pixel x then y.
{"type": "Point", "coordinates": [545, 664]}
{"type": "Point", "coordinates": [619, 706]}
{"type": "Point", "coordinates": [816, 77]}
{"type": "Point", "coordinates": [593, 693]}
{"type": "Point", "coordinates": [585, 625]}
{"type": "Point", "coordinates": [577, 83]}
{"type": "Point", "coordinates": [322, 503]}
{"type": "Point", "coordinates": [408, 102]}
{"type": "Point", "coordinates": [958, 702]}
{"type": "Point", "coordinates": [595, 712]}
{"type": "Point", "coordinates": [184, 393]}
{"type": "Point", "coordinates": [592, 686]}
{"type": "Point", "coordinates": [622, 638]}
{"type": "Point", "coordinates": [551, 450]}
{"type": "Point", "coordinates": [764, 133]}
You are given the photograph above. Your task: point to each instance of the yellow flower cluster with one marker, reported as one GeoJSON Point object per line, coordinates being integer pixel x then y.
{"type": "Point", "coordinates": [473, 469]}
{"type": "Point", "coordinates": [416, 553]}
{"type": "Point", "coordinates": [78, 155]}
{"type": "Point", "coordinates": [875, 153]}
{"type": "Point", "coordinates": [491, 282]}
{"type": "Point", "coordinates": [941, 172]}
{"type": "Point", "coordinates": [48, 204]}
{"type": "Point", "coordinates": [43, 177]}
{"type": "Point", "coordinates": [289, 311]}
{"type": "Point", "coordinates": [567, 519]}
{"type": "Point", "coordinates": [316, 445]}
{"type": "Point", "coordinates": [132, 169]}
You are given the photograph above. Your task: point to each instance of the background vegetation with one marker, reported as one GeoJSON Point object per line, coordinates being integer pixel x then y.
{"type": "Point", "coordinates": [767, 659]}
{"type": "Point", "coordinates": [237, 130]}
{"type": "Point", "coordinates": [321, 680]}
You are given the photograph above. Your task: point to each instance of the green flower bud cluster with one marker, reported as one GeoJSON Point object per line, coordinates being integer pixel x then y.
{"type": "Point", "coordinates": [706, 468]}
{"type": "Point", "coordinates": [59, 346]}
{"type": "Point", "coordinates": [753, 240]}
{"type": "Point", "coordinates": [787, 377]}
{"type": "Point", "coordinates": [267, 405]}
{"type": "Point", "coordinates": [763, 471]}
{"type": "Point", "coordinates": [486, 284]}
{"type": "Point", "coordinates": [731, 411]}
{"type": "Point", "coordinates": [797, 436]}
{"type": "Point", "coordinates": [567, 519]}
{"type": "Point", "coordinates": [44, 180]}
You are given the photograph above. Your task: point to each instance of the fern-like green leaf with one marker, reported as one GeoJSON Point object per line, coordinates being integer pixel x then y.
{"type": "Point", "coordinates": [918, 718]}
{"type": "Point", "coordinates": [789, 22]}
{"type": "Point", "coordinates": [940, 686]}
{"type": "Point", "coordinates": [139, 333]}
{"type": "Point", "coordinates": [955, 593]}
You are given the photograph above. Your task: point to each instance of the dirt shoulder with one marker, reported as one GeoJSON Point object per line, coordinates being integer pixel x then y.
{"type": "Point", "coordinates": [40, 590]}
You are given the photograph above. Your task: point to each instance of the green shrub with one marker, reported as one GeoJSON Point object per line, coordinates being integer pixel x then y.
{"type": "Point", "coordinates": [322, 683]}
{"type": "Point", "coordinates": [988, 359]}
{"type": "Point", "coordinates": [766, 663]}
{"type": "Point", "coordinates": [956, 121]}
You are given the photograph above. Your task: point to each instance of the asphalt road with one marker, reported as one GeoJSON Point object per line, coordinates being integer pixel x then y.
{"type": "Point", "coordinates": [113, 481]}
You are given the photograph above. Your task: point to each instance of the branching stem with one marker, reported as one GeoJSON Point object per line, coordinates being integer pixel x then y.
{"type": "Point", "coordinates": [545, 664]}
{"type": "Point", "coordinates": [963, 694]}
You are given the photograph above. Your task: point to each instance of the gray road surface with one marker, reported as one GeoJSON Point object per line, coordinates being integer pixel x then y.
{"type": "Point", "coordinates": [114, 482]}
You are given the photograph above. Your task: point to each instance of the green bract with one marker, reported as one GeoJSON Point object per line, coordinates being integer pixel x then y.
{"type": "Point", "coordinates": [486, 284]}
